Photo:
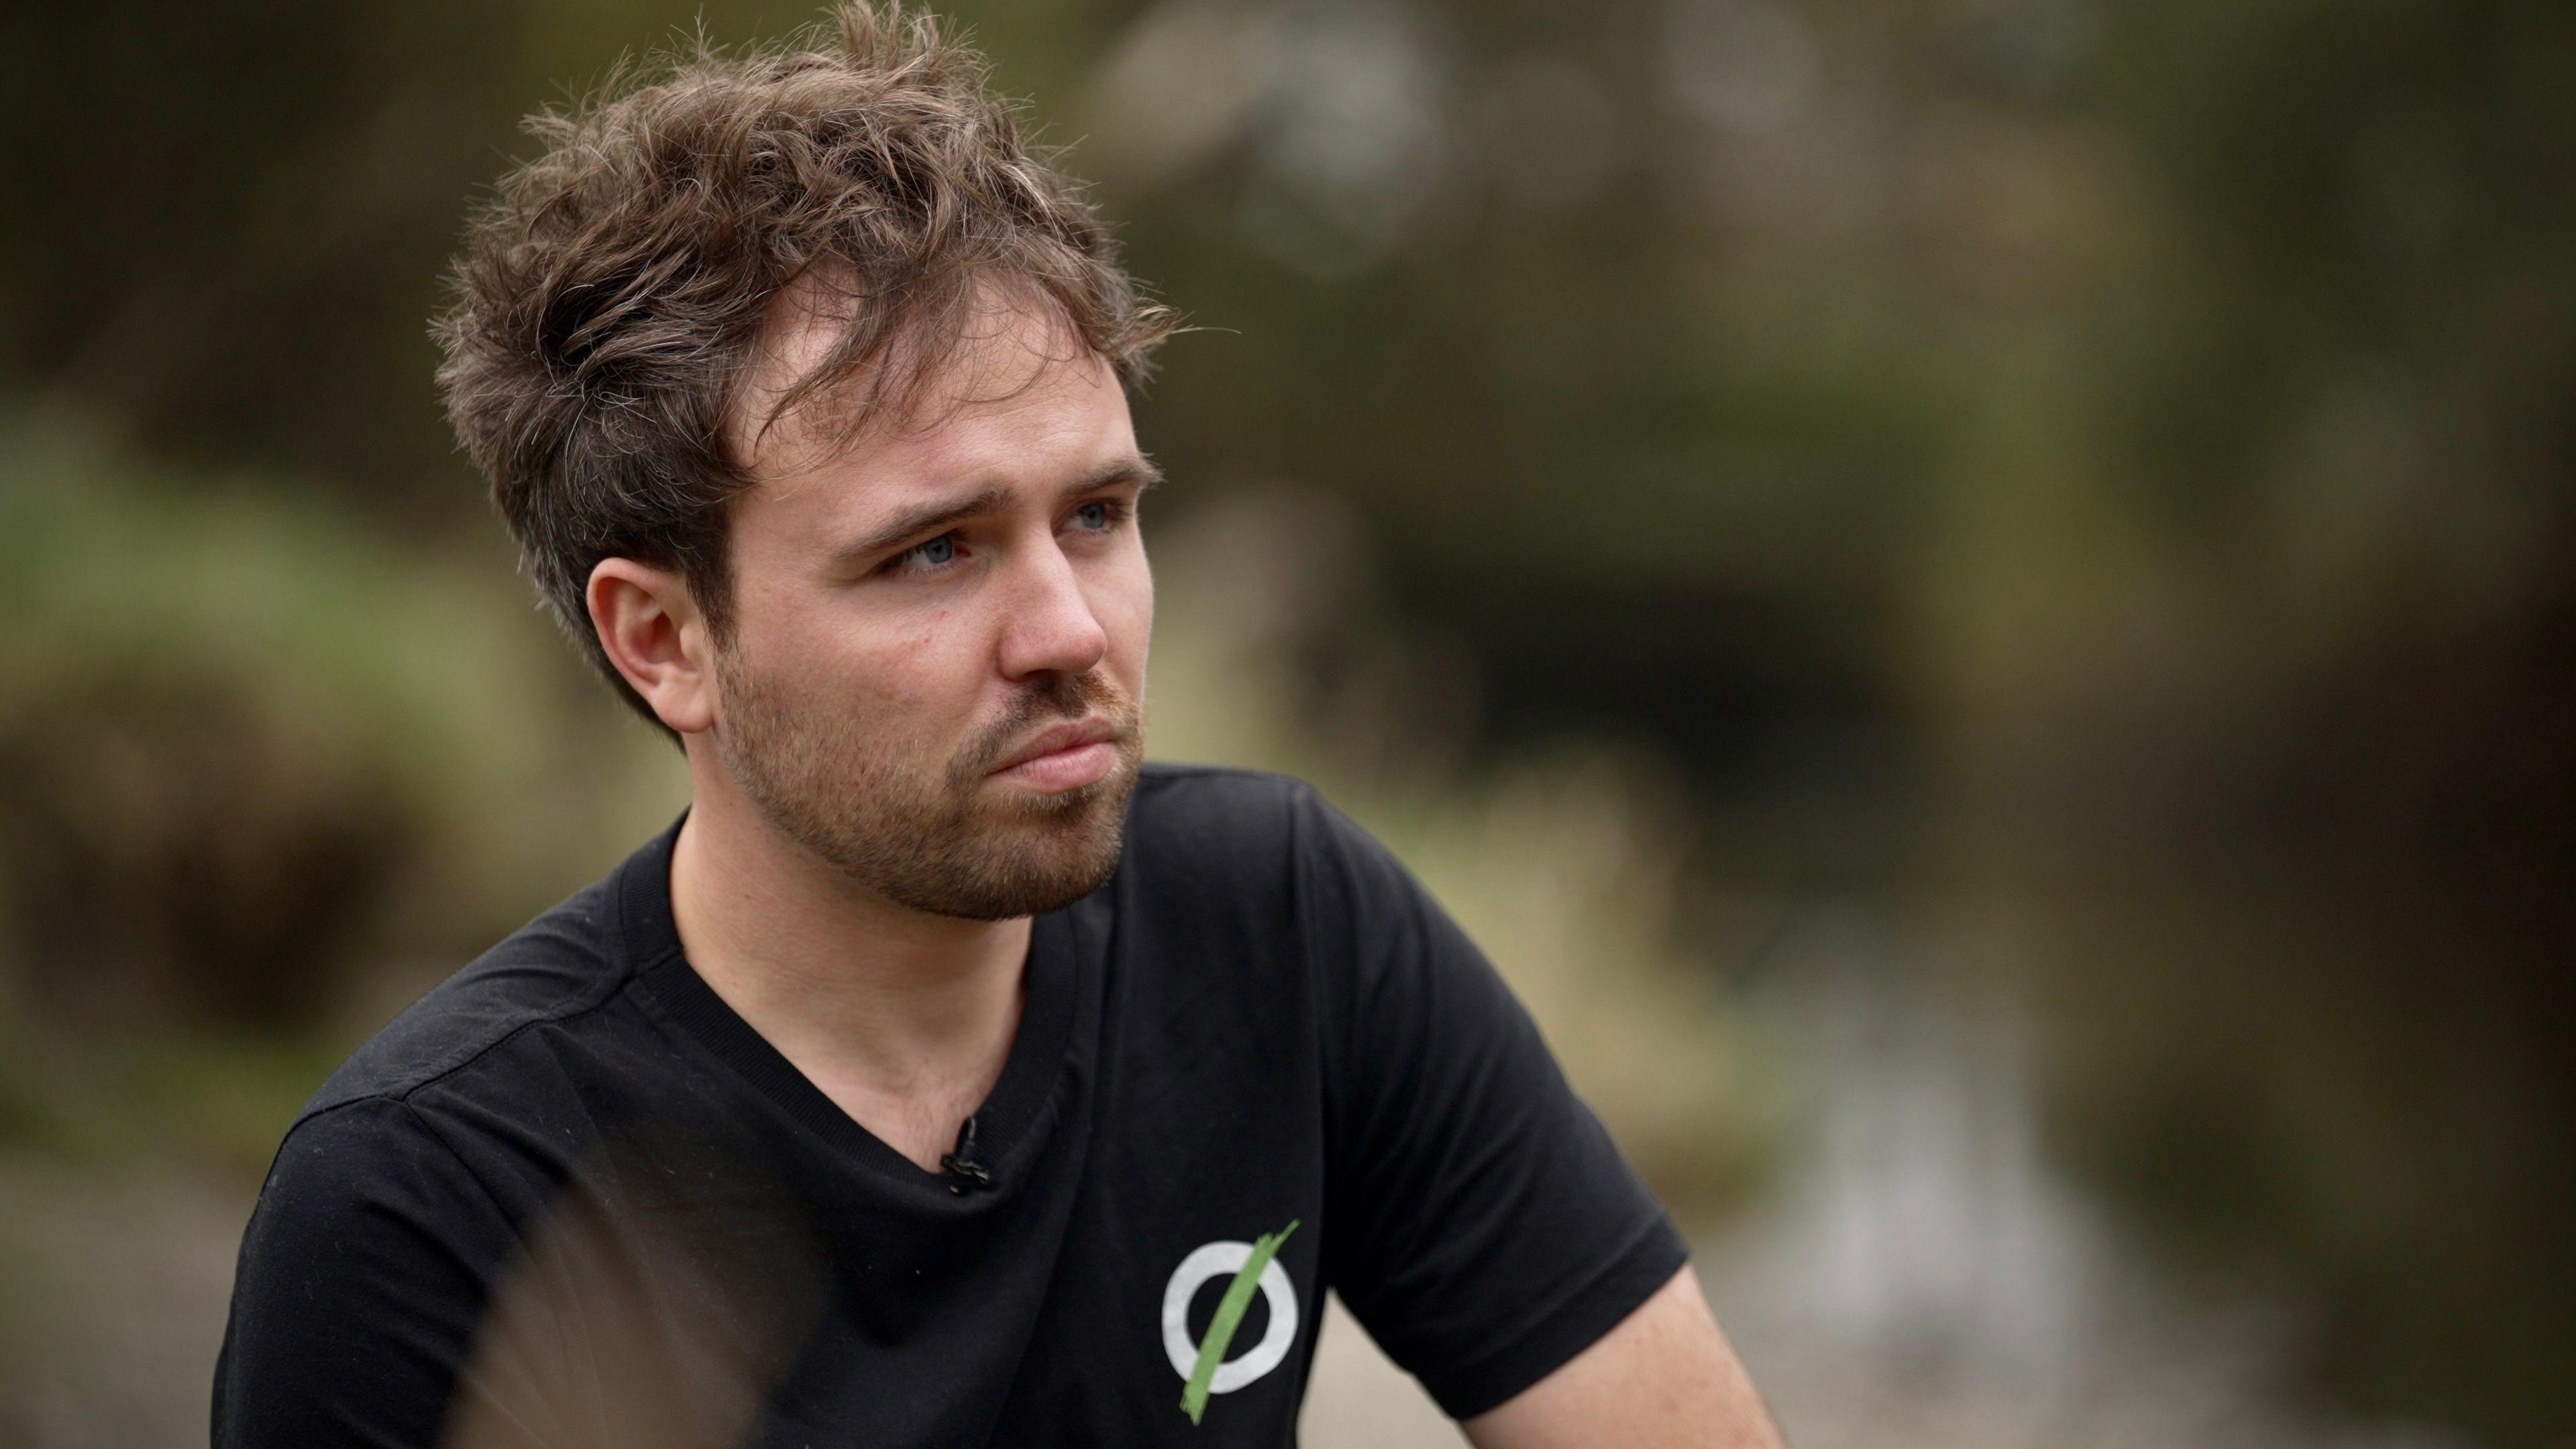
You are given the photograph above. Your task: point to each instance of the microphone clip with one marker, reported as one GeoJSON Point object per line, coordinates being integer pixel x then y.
{"type": "Point", "coordinates": [963, 1170]}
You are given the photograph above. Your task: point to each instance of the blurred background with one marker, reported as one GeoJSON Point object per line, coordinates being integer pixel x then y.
{"type": "Point", "coordinates": [1975, 598]}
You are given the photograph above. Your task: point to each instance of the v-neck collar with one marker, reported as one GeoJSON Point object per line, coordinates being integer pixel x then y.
{"type": "Point", "coordinates": [1010, 1123]}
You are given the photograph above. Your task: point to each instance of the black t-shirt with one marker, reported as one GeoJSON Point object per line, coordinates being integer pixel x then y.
{"type": "Point", "coordinates": [570, 1199]}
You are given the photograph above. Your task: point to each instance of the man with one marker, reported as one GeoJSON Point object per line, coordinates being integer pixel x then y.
{"type": "Point", "coordinates": [946, 1076]}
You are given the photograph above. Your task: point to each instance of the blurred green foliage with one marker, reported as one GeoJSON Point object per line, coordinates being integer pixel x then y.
{"type": "Point", "coordinates": [242, 738]}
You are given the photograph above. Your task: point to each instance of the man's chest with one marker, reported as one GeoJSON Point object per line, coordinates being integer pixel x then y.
{"type": "Point", "coordinates": [1152, 1273]}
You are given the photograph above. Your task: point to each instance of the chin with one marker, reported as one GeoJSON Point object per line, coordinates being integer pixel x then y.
{"type": "Point", "coordinates": [1026, 884]}
{"type": "Point", "coordinates": [1039, 852]}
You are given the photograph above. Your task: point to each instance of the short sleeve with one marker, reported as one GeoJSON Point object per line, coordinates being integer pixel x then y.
{"type": "Point", "coordinates": [1485, 1228]}
{"type": "Point", "coordinates": [360, 1281]}
{"type": "Point", "coordinates": [650, 1300]}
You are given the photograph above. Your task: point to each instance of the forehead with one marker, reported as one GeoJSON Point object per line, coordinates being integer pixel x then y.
{"type": "Point", "coordinates": [1016, 374]}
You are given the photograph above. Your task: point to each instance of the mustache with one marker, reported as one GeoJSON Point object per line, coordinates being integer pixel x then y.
{"type": "Point", "coordinates": [1061, 697]}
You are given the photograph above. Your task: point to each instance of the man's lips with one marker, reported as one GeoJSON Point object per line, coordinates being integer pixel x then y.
{"type": "Point", "coordinates": [1065, 756]}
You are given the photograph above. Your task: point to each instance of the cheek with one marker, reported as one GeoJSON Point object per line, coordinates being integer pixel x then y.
{"type": "Point", "coordinates": [837, 661]}
{"type": "Point", "coordinates": [927, 680]}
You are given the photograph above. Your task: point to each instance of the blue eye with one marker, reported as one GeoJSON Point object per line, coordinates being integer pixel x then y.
{"type": "Point", "coordinates": [938, 551]}
{"type": "Point", "coordinates": [1092, 515]}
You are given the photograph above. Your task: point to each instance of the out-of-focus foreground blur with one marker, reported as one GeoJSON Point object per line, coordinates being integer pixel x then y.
{"type": "Point", "coordinates": [1973, 597]}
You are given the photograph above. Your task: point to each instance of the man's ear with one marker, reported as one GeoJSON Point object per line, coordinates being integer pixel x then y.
{"type": "Point", "coordinates": [650, 627]}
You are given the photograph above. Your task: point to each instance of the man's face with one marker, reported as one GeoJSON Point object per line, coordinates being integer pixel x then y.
{"type": "Point", "coordinates": [937, 658]}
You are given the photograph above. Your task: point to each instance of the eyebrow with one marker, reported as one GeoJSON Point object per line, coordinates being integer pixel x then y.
{"type": "Point", "coordinates": [929, 518]}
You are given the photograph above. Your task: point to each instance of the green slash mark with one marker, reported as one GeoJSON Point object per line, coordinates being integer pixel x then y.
{"type": "Point", "coordinates": [1229, 1316]}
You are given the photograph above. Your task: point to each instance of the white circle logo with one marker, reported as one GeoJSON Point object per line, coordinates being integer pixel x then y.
{"type": "Point", "coordinates": [1216, 1260]}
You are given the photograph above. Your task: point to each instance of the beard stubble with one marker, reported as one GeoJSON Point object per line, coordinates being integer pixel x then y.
{"type": "Point", "coordinates": [932, 835]}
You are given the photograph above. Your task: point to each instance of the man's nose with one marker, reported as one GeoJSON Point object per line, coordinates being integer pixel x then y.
{"type": "Point", "coordinates": [1050, 626]}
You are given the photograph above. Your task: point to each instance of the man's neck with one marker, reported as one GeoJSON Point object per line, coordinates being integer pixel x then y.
{"type": "Point", "coordinates": [902, 1018]}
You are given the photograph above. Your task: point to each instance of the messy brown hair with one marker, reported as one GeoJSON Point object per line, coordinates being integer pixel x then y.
{"type": "Point", "coordinates": [610, 297]}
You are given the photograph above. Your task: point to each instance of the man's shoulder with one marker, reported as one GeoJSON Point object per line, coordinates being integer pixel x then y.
{"type": "Point", "coordinates": [563, 963]}
{"type": "Point", "coordinates": [1206, 838]}
{"type": "Point", "coordinates": [1220, 818]}
{"type": "Point", "coordinates": [1167, 787]}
